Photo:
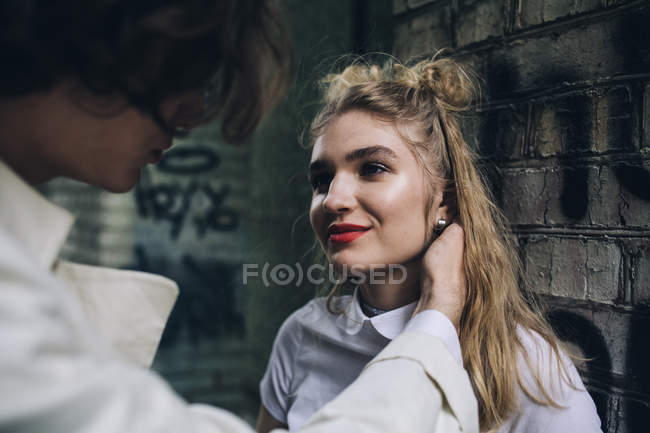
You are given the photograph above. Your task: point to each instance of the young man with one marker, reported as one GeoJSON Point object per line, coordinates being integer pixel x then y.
{"type": "Point", "coordinates": [94, 91]}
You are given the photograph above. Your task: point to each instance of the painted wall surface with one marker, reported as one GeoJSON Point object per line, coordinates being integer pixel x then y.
{"type": "Point", "coordinates": [565, 136]}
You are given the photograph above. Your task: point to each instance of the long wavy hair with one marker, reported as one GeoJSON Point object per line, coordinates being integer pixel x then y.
{"type": "Point", "coordinates": [429, 95]}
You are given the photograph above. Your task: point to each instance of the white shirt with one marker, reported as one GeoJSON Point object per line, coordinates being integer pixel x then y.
{"type": "Point", "coordinates": [74, 339]}
{"type": "Point", "coordinates": [317, 354]}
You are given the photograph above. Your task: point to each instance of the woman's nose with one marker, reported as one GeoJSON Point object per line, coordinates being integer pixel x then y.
{"type": "Point", "coordinates": [340, 196]}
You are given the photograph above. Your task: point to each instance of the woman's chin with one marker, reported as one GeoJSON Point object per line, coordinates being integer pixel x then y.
{"type": "Point", "coordinates": [343, 265]}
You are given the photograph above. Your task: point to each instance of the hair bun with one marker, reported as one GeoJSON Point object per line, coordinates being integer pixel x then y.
{"type": "Point", "coordinates": [443, 78]}
{"type": "Point", "coordinates": [356, 74]}
{"type": "Point", "coordinates": [448, 81]}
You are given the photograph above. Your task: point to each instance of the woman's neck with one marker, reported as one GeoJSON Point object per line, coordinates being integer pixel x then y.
{"type": "Point", "coordinates": [388, 293]}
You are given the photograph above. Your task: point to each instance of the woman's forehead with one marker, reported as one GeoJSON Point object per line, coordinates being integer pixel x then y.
{"type": "Point", "coordinates": [356, 130]}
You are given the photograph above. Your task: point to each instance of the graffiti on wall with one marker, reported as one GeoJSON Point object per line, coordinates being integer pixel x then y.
{"type": "Point", "coordinates": [174, 200]}
{"type": "Point", "coordinates": [185, 221]}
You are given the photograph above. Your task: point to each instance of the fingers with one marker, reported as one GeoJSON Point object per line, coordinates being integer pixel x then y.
{"type": "Point", "coordinates": [454, 231]}
{"type": "Point", "coordinates": [443, 282]}
{"type": "Point", "coordinates": [447, 248]}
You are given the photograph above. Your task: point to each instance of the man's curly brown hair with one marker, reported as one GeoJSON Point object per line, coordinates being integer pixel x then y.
{"type": "Point", "coordinates": [150, 50]}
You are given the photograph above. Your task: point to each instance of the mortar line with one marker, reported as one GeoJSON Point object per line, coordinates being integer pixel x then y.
{"type": "Point", "coordinates": [559, 24]}
{"type": "Point", "coordinates": [559, 161]}
{"type": "Point", "coordinates": [582, 231]}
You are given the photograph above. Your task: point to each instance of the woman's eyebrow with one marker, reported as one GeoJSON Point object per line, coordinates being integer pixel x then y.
{"type": "Point", "coordinates": [369, 151]}
{"type": "Point", "coordinates": [364, 152]}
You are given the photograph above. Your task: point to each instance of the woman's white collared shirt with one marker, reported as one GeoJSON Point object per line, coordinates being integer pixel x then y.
{"type": "Point", "coordinates": [317, 354]}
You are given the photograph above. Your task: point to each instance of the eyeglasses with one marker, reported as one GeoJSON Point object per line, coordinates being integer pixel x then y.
{"type": "Point", "coordinates": [180, 128]}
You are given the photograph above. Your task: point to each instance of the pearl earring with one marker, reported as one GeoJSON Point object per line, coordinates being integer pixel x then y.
{"type": "Point", "coordinates": [441, 224]}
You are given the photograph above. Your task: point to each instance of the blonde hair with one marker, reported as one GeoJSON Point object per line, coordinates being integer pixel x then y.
{"type": "Point", "coordinates": [428, 95]}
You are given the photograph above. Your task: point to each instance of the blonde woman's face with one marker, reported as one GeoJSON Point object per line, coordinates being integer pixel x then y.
{"type": "Point", "coordinates": [369, 195]}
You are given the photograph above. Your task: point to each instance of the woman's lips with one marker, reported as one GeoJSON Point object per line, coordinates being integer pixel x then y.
{"type": "Point", "coordinates": [344, 233]}
{"type": "Point", "coordinates": [345, 237]}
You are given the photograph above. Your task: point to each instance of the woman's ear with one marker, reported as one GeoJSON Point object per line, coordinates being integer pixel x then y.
{"type": "Point", "coordinates": [446, 208]}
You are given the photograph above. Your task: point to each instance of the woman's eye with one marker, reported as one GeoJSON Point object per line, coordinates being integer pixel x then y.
{"type": "Point", "coordinates": [320, 182]}
{"type": "Point", "coordinates": [372, 168]}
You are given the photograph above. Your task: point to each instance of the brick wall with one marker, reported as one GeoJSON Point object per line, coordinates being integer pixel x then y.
{"type": "Point", "coordinates": [564, 135]}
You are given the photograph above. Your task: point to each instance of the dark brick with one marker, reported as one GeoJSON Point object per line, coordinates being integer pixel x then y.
{"type": "Point", "coordinates": [547, 139]}
{"type": "Point", "coordinates": [603, 270]}
{"type": "Point", "coordinates": [592, 122]}
{"type": "Point", "coordinates": [595, 121]}
{"type": "Point", "coordinates": [568, 269]}
{"type": "Point", "coordinates": [614, 328]}
{"type": "Point", "coordinates": [590, 51]}
{"type": "Point", "coordinates": [552, 195]}
{"type": "Point", "coordinates": [533, 12]}
{"type": "Point", "coordinates": [538, 254]}
{"type": "Point", "coordinates": [573, 268]}
{"type": "Point", "coordinates": [525, 195]}
{"type": "Point", "coordinates": [615, 120]}
{"type": "Point", "coordinates": [604, 198]}
{"type": "Point", "coordinates": [480, 20]}
{"type": "Point", "coordinates": [617, 195]}
{"type": "Point", "coordinates": [632, 415]}
{"type": "Point", "coordinates": [567, 194]}
{"type": "Point", "coordinates": [563, 125]}
{"type": "Point", "coordinates": [646, 118]}
{"type": "Point", "coordinates": [400, 6]}
{"type": "Point", "coordinates": [424, 34]}
{"type": "Point", "coordinates": [541, 195]}
{"type": "Point", "coordinates": [634, 202]}
{"type": "Point", "coordinates": [503, 132]}
{"type": "Point", "coordinates": [640, 272]}
{"type": "Point", "coordinates": [557, 266]}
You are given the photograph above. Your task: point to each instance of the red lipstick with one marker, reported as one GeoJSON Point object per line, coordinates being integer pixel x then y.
{"type": "Point", "coordinates": [344, 233]}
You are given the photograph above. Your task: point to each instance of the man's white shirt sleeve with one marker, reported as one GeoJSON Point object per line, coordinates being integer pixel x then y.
{"type": "Point", "coordinates": [60, 374]}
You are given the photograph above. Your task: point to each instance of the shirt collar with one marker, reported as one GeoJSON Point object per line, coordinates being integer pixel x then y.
{"type": "Point", "coordinates": [35, 222]}
{"type": "Point", "coordinates": [389, 324]}
{"type": "Point", "coordinates": [129, 309]}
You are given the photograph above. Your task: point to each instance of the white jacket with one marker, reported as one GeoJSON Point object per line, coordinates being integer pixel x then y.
{"type": "Point", "coordinates": [71, 334]}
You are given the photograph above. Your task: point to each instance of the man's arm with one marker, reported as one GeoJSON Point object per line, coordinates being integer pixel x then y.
{"type": "Point", "coordinates": [413, 385]}
{"type": "Point", "coordinates": [57, 375]}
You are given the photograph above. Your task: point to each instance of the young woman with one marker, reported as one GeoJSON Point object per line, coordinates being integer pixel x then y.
{"type": "Point", "coordinates": [390, 169]}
